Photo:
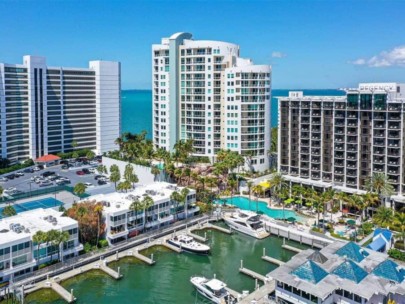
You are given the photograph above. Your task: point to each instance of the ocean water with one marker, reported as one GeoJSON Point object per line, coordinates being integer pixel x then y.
{"type": "Point", "coordinates": [137, 108]}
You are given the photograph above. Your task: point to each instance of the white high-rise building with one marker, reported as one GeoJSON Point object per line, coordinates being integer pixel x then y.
{"type": "Point", "coordinates": [44, 109]}
{"type": "Point", "coordinates": [203, 90]}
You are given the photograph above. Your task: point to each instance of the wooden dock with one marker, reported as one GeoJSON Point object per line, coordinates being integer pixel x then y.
{"type": "Point", "coordinates": [291, 248]}
{"type": "Point", "coordinates": [197, 237]}
{"type": "Point", "coordinates": [143, 258]}
{"type": "Point", "coordinates": [67, 296]}
{"type": "Point", "coordinates": [111, 272]}
{"type": "Point", "coordinates": [272, 260]}
{"type": "Point", "coordinates": [171, 247]}
{"type": "Point", "coordinates": [259, 296]}
{"type": "Point", "coordinates": [234, 293]}
{"type": "Point", "coordinates": [221, 229]}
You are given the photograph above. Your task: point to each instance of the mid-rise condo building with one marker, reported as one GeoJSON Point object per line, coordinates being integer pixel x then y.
{"type": "Point", "coordinates": [19, 254]}
{"type": "Point", "coordinates": [122, 222]}
{"type": "Point", "coordinates": [203, 90]}
{"type": "Point", "coordinates": [340, 141]}
{"type": "Point", "coordinates": [45, 109]}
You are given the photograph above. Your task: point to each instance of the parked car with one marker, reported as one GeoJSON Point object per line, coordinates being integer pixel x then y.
{"type": "Point", "coordinates": [97, 177]}
{"type": "Point", "coordinates": [10, 189]}
{"type": "Point", "coordinates": [36, 168]}
{"type": "Point", "coordinates": [65, 167]}
{"type": "Point", "coordinates": [15, 192]}
{"type": "Point", "coordinates": [88, 184]}
{"type": "Point", "coordinates": [45, 184]}
{"type": "Point", "coordinates": [29, 170]}
{"type": "Point", "coordinates": [101, 182]}
{"type": "Point", "coordinates": [10, 176]}
{"type": "Point", "coordinates": [86, 171]}
{"type": "Point", "coordinates": [47, 173]}
{"type": "Point", "coordinates": [79, 172]}
{"type": "Point", "coordinates": [3, 179]}
{"type": "Point", "coordinates": [19, 174]}
{"type": "Point", "coordinates": [92, 170]}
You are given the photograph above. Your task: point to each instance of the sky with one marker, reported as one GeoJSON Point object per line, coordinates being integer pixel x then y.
{"type": "Point", "coordinates": [310, 44]}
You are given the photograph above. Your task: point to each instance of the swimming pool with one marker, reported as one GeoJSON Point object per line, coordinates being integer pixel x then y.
{"type": "Point", "coordinates": [31, 205]}
{"type": "Point", "coordinates": [243, 203]}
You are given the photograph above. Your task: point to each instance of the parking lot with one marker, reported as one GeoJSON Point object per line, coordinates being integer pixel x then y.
{"type": "Point", "coordinates": [25, 184]}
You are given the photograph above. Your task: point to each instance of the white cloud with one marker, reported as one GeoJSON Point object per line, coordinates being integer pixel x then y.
{"type": "Point", "coordinates": [278, 55]}
{"type": "Point", "coordinates": [394, 57]}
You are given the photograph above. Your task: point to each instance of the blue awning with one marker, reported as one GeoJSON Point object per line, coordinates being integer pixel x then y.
{"type": "Point", "coordinates": [377, 245]}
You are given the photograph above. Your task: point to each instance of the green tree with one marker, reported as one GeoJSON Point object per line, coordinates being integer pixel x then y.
{"type": "Point", "coordinates": [184, 193]}
{"type": "Point", "coordinates": [130, 175]}
{"type": "Point", "coordinates": [147, 202]}
{"type": "Point", "coordinates": [101, 169]}
{"type": "Point", "coordinates": [90, 154]}
{"type": "Point", "coordinates": [115, 175]}
{"type": "Point", "coordinates": [258, 190]}
{"type": "Point", "coordinates": [8, 211]}
{"type": "Point", "coordinates": [378, 183]}
{"type": "Point", "coordinates": [249, 185]}
{"type": "Point", "coordinates": [124, 186]}
{"type": "Point", "coordinates": [383, 217]}
{"type": "Point", "coordinates": [136, 206]}
{"type": "Point", "coordinates": [176, 199]}
{"type": "Point", "coordinates": [277, 182]}
{"type": "Point", "coordinates": [155, 171]}
{"type": "Point", "coordinates": [1, 192]}
{"type": "Point", "coordinates": [79, 189]}
{"type": "Point", "coordinates": [39, 238]}
{"type": "Point", "coordinates": [98, 208]}
{"type": "Point", "coordinates": [399, 221]}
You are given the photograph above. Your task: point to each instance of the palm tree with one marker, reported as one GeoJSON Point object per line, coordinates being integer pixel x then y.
{"type": "Point", "coordinates": [277, 182]}
{"type": "Point", "coordinates": [1, 192]}
{"type": "Point", "coordinates": [136, 206]}
{"type": "Point", "coordinates": [147, 202]}
{"type": "Point", "coordinates": [383, 216]}
{"type": "Point", "coordinates": [155, 171]}
{"type": "Point", "coordinates": [378, 183]}
{"type": "Point", "coordinates": [175, 197]}
{"type": "Point", "coordinates": [249, 185]}
{"type": "Point", "coordinates": [79, 189]}
{"type": "Point", "coordinates": [232, 184]}
{"type": "Point", "coordinates": [257, 189]}
{"type": "Point", "coordinates": [115, 175]}
{"type": "Point", "coordinates": [371, 199]}
{"type": "Point", "coordinates": [8, 211]}
{"type": "Point", "coordinates": [357, 202]}
{"type": "Point", "coordinates": [184, 193]}
{"type": "Point", "coordinates": [60, 238]}
{"type": "Point", "coordinates": [399, 221]}
{"type": "Point", "coordinates": [39, 237]}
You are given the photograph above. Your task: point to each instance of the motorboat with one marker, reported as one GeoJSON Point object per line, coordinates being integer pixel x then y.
{"type": "Point", "coordinates": [187, 243]}
{"type": "Point", "coordinates": [246, 222]}
{"type": "Point", "coordinates": [213, 289]}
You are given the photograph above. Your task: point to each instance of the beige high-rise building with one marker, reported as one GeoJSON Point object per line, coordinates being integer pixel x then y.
{"type": "Point", "coordinates": [340, 141]}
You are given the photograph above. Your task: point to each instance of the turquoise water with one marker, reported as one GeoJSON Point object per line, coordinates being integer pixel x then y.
{"type": "Point", "coordinates": [244, 204]}
{"type": "Point", "coordinates": [49, 202]}
{"type": "Point", "coordinates": [137, 108]}
{"type": "Point", "coordinates": [168, 281]}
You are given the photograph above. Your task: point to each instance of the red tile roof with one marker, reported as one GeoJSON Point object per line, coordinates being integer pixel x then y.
{"type": "Point", "coordinates": [47, 158]}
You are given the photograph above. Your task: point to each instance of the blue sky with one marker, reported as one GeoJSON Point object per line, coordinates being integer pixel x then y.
{"type": "Point", "coordinates": [310, 44]}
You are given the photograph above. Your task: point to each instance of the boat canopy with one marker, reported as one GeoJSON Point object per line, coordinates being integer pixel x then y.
{"type": "Point", "coordinates": [215, 284]}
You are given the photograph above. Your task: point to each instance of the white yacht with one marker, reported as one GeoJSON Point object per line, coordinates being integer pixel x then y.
{"type": "Point", "coordinates": [187, 243]}
{"type": "Point", "coordinates": [213, 289]}
{"type": "Point", "coordinates": [246, 222]}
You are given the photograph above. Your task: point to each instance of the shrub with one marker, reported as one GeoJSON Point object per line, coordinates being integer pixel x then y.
{"type": "Point", "coordinates": [27, 163]}
{"type": "Point", "coordinates": [399, 245]}
{"type": "Point", "coordinates": [367, 228]}
{"type": "Point", "coordinates": [396, 254]}
{"type": "Point", "coordinates": [87, 247]}
{"type": "Point", "coordinates": [102, 243]}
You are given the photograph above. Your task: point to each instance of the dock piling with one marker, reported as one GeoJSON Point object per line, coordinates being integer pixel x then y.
{"type": "Point", "coordinates": [241, 263]}
{"type": "Point", "coordinates": [151, 257]}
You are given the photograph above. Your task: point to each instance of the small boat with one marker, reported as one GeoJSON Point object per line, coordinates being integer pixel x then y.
{"type": "Point", "coordinates": [187, 243]}
{"type": "Point", "coordinates": [246, 222]}
{"type": "Point", "coordinates": [213, 289]}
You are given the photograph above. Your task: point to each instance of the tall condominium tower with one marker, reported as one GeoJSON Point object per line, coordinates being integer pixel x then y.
{"type": "Point", "coordinates": [340, 141]}
{"type": "Point", "coordinates": [203, 90]}
{"type": "Point", "coordinates": [45, 109]}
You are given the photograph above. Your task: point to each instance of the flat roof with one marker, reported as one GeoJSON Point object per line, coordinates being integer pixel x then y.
{"type": "Point", "coordinates": [158, 191]}
{"type": "Point", "coordinates": [33, 221]}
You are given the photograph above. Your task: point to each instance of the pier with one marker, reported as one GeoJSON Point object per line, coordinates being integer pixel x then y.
{"type": "Point", "coordinates": [143, 258]}
{"type": "Point", "coordinates": [259, 296]}
{"type": "Point", "coordinates": [111, 272]}
{"type": "Point", "coordinates": [291, 248]}
{"type": "Point", "coordinates": [171, 247]}
{"type": "Point", "coordinates": [197, 237]}
{"type": "Point", "coordinates": [67, 296]}
{"type": "Point", "coordinates": [270, 259]}
{"type": "Point", "coordinates": [221, 229]}
{"type": "Point", "coordinates": [252, 273]}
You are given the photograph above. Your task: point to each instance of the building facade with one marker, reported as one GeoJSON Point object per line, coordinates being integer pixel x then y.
{"type": "Point", "coordinates": [45, 109]}
{"type": "Point", "coordinates": [122, 222]}
{"type": "Point", "coordinates": [19, 255]}
{"type": "Point", "coordinates": [203, 90]}
{"type": "Point", "coordinates": [340, 141]}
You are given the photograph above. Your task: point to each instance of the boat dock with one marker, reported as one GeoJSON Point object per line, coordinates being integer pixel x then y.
{"type": "Point", "coordinates": [233, 293]}
{"type": "Point", "coordinates": [143, 258]}
{"type": "Point", "coordinates": [67, 296]}
{"type": "Point", "coordinates": [111, 272]}
{"type": "Point", "coordinates": [171, 247]}
{"type": "Point", "coordinates": [271, 259]}
{"type": "Point", "coordinates": [197, 237]}
{"type": "Point", "coordinates": [259, 296]}
{"type": "Point", "coordinates": [212, 226]}
{"type": "Point", "coordinates": [291, 248]}
{"type": "Point", "coordinates": [252, 273]}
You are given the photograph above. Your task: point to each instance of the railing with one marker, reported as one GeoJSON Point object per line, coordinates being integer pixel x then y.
{"type": "Point", "coordinates": [84, 259]}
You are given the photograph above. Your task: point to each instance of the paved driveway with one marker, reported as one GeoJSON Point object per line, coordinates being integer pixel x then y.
{"type": "Point", "coordinates": [24, 183]}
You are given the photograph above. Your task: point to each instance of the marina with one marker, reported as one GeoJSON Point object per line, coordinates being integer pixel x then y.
{"type": "Point", "coordinates": [169, 266]}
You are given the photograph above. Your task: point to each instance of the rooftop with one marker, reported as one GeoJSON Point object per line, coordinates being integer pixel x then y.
{"type": "Point", "coordinates": [385, 232]}
{"type": "Point", "coordinates": [352, 251]}
{"type": "Point", "coordinates": [47, 158]}
{"type": "Point", "coordinates": [116, 202]}
{"type": "Point", "coordinates": [26, 224]}
{"type": "Point", "coordinates": [372, 275]}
